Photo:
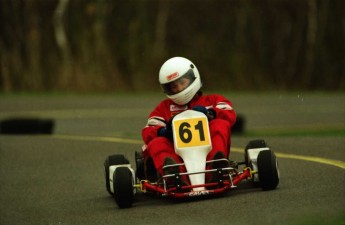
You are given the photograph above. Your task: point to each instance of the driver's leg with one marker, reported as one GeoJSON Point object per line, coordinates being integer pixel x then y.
{"type": "Point", "coordinates": [220, 135]}
{"type": "Point", "coordinates": [159, 149]}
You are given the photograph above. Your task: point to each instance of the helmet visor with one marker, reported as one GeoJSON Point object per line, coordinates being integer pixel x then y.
{"type": "Point", "coordinates": [176, 86]}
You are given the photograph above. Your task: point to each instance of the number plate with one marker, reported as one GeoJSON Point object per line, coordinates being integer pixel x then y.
{"type": "Point", "coordinates": [191, 132]}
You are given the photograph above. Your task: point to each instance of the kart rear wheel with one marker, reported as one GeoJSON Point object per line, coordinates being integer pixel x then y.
{"type": "Point", "coordinates": [139, 162]}
{"type": "Point", "coordinates": [253, 144]}
{"type": "Point", "coordinates": [123, 187]}
{"type": "Point", "coordinates": [110, 161]}
{"type": "Point", "coordinates": [268, 170]}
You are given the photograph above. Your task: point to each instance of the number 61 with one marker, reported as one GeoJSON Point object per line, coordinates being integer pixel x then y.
{"type": "Point", "coordinates": [186, 134]}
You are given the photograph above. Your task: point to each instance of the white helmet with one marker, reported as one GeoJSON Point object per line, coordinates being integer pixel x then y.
{"type": "Point", "coordinates": [175, 69]}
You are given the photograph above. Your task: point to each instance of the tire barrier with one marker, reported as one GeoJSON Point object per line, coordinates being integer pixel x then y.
{"type": "Point", "coordinates": [26, 126]}
{"type": "Point", "coordinates": [238, 127]}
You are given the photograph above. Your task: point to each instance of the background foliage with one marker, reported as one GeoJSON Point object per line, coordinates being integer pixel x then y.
{"type": "Point", "coordinates": [119, 45]}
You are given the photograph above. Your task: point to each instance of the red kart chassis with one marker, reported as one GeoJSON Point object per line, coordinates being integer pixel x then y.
{"type": "Point", "coordinates": [226, 178]}
{"type": "Point", "coordinates": [259, 167]}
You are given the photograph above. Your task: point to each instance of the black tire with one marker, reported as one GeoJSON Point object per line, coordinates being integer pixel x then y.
{"type": "Point", "coordinates": [268, 170]}
{"type": "Point", "coordinates": [253, 144]}
{"type": "Point", "coordinates": [110, 161]}
{"type": "Point", "coordinates": [123, 187]}
{"type": "Point", "coordinates": [139, 162]}
{"type": "Point", "coordinates": [238, 127]}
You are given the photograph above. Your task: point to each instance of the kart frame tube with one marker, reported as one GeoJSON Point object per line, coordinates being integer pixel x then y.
{"type": "Point", "coordinates": [225, 185]}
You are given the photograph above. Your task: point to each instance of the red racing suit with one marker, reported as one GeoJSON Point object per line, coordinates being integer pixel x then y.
{"type": "Point", "coordinates": [158, 148]}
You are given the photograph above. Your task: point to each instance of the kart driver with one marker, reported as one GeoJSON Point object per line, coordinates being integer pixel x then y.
{"type": "Point", "coordinates": [181, 83]}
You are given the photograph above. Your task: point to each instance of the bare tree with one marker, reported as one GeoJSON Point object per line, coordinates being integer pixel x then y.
{"type": "Point", "coordinates": [62, 41]}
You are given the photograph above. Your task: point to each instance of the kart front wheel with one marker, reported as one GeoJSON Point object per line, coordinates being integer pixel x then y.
{"type": "Point", "coordinates": [123, 187]}
{"type": "Point", "coordinates": [110, 161]}
{"type": "Point", "coordinates": [268, 170]}
{"type": "Point", "coordinates": [251, 145]}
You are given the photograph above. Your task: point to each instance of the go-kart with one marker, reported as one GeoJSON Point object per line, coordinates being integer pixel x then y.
{"type": "Point", "coordinates": [192, 143]}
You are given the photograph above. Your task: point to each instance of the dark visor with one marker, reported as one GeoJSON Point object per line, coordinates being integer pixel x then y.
{"type": "Point", "coordinates": [168, 87]}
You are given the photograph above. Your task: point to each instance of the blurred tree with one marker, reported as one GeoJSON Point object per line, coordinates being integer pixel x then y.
{"type": "Point", "coordinates": [61, 40]}
{"type": "Point", "coordinates": [112, 45]}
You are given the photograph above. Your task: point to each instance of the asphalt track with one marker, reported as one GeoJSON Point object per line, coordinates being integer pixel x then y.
{"type": "Point", "coordinates": [58, 179]}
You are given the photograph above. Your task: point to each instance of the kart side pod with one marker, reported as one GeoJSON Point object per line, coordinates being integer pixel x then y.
{"type": "Point", "coordinates": [112, 178]}
{"type": "Point", "coordinates": [253, 160]}
{"type": "Point", "coordinates": [264, 162]}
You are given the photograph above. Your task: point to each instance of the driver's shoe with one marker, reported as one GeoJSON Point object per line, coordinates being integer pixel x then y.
{"type": "Point", "coordinates": [170, 169]}
{"type": "Point", "coordinates": [219, 164]}
{"type": "Point", "coordinates": [172, 181]}
{"type": "Point", "coordinates": [214, 176]}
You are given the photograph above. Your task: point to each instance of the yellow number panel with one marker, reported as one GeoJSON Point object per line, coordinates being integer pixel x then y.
{"type": "Point", "coordinates": [191, 132]}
